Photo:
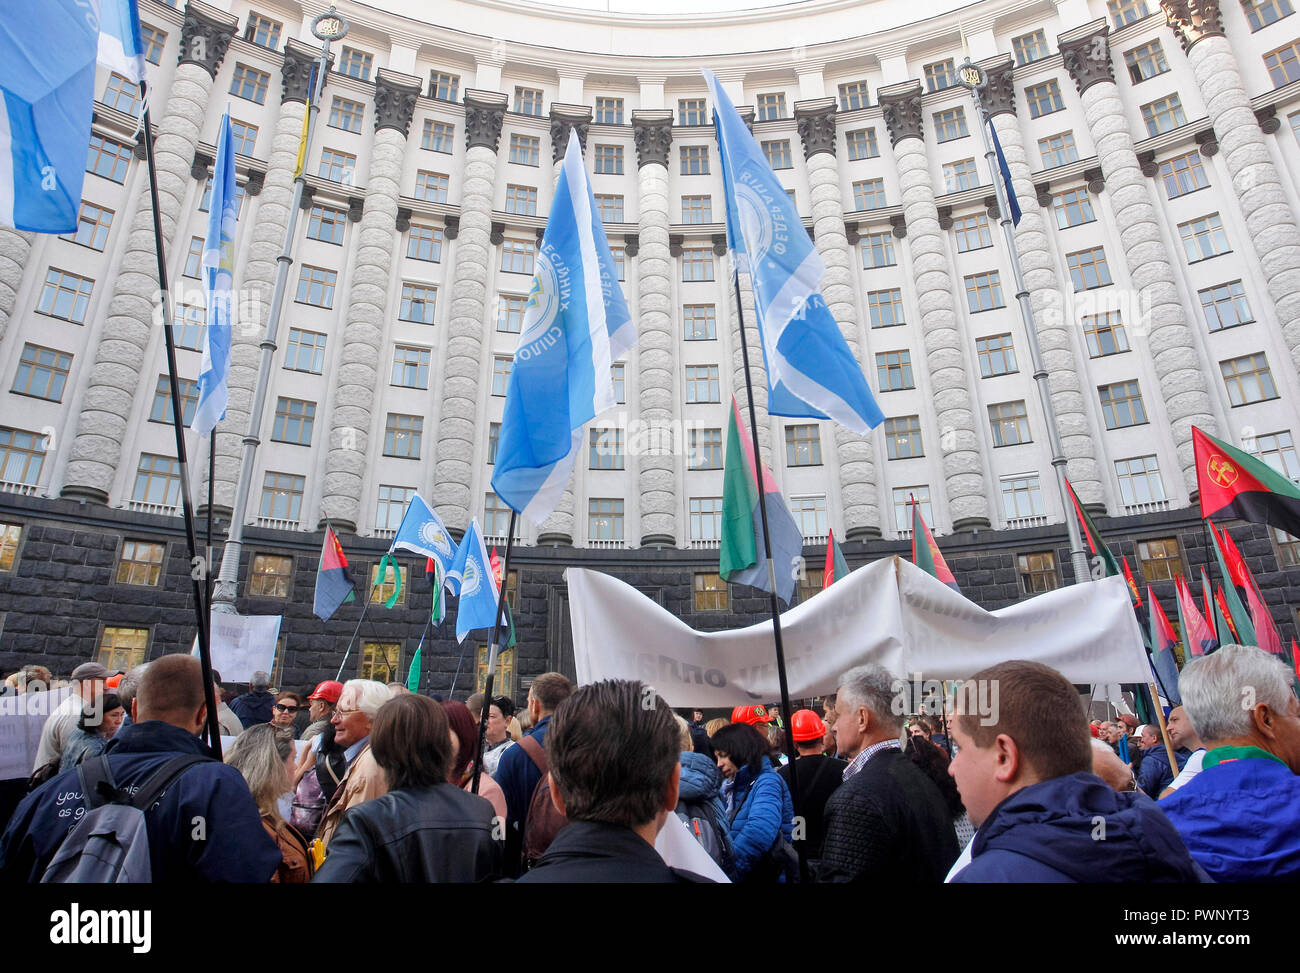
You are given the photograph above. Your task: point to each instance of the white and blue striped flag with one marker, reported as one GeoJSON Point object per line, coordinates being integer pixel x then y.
{"type": "Point", "coordinates": [120, 47]}
{"type": "Point", "coordinates": [471, 579]}
{"type": "Point", "coordinates": [219, 273]}
{"type": "Point", "coordinates": [576, 325]}
{"type": "Point", "coordinates": [810, 371]}
{"type": "Point", "coordinates": [47, 93]}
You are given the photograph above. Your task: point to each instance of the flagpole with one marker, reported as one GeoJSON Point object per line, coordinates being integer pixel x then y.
{"type": "Point", "coordinates": [492, 649]}
{"type": "Point", "coordinates": [973, 77]}
{"type": "Point", "coordinates": [364, 608]}
{"type": "Point", "coordinates": [207, 586]}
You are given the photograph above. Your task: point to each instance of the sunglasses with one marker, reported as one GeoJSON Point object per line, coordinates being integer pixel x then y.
{"type": "Point", "coordinates": [282, 708]}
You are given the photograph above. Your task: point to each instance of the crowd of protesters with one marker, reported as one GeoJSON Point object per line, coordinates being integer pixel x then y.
{"type": "Point", "coordinates": [365, 782]}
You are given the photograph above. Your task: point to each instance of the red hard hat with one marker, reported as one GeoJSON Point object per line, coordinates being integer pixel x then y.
{"type": "Point", "coordinates": [750, 715]}
{"type": "Point", "coordinates": [329, 690]}
{"type": "Point", "coordinates": [807, 725]}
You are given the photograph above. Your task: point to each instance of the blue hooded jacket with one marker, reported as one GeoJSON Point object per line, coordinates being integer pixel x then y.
{"type": "Point", "coordinates": [701, 783]}
{"type": "Point", "coordinates": [1155, 774]}
{"type": "Point", "coordinates": [765, 807]}
{"type": "Point", "coordinates": [1053, 832]}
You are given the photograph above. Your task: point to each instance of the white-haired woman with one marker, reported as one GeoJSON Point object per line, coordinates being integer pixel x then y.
{"type": "Point", "coordinates": [264, 754]}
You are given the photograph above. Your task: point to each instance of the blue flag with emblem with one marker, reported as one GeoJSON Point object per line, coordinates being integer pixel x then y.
{"type": "Point", "coordinates": [219, 277]}
{"type": "Point", "coordinates": [810, 371]}
{"type": "Point", "coordinates": [423, 532]}
{"type": "Point", "coordinates": [470, 578]}
{"type": "Point", "coordinates": [576, 326]}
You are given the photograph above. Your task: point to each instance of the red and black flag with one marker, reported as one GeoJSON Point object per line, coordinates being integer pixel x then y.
{"type": "Point", "coordinates": [334, 584]}
{"type": "Point", "coordinates": [1097, 547]}
{"type": "Point", "coordinates": [1237, 486]}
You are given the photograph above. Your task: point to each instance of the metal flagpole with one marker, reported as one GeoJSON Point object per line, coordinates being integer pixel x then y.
{"type": "Point", "coordinates": [327, 27]}
{"type": "Point", "coordinates": [370, 596]}
{"type": "Point", "coordinates": [973, 77]}
{"type": "Point", "coordinates": [493, 648]}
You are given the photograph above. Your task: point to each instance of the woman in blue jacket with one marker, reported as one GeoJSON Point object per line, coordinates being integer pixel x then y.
{"type": "Point", "coordinates": [758, 803]}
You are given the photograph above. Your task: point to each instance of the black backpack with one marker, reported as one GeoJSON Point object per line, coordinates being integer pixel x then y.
{"type": "Point", "coordinates": [702, 822]}
{"type": "Point", "coordinates": [331, 763]}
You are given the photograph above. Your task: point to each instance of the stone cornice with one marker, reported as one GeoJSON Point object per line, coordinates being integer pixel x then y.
{"type": "Point", "coordinates": [485, 113]}
{"type": "Point", "coordinates": [815, 120]}
{"type": "Point", "coordinates": [395, 97]}
{"type": "Point", "coordinates": [901, 104]}
{"type": "Point", "coordinates": [206, 36]}
{"type": "Point", "coordinates": [564, 119]}
{"type": "Point", "coordinates": [999, 94]}
{"type": "Point", "coordinates": [1193, 20]}
{"type": "Point", "coordinates": [1086, 54]}
{"type": "Point", "coordinates": [652, 132]}
{"type": "Point", "coordinates": [295, 75]}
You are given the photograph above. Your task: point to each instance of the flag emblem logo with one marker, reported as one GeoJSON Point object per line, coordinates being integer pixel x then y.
{"type": "Point", "coordinates": [1221, 470]}
{"type": "Point", "coordinates": [435, 537]}
{"type": "Point", "coordinates": [471, 577]}
{"type": "Point", "coordinates": [544, 298]}
{"type": "Point", "coordinates": [756, 216]}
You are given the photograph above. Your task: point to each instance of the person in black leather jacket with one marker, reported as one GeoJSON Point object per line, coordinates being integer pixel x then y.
{"type": "Point", "coordinates": [424, 829]}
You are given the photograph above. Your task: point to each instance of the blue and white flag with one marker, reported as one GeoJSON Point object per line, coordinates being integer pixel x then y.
{"type": "Point", "coordinates": [470, 578]}
{"type": "Point", "coordinates": [219, 272]}
{"type": "Point", "coordinates": [120, 47]}
{"type": "Point", "coordinates": [423, 532]}
{"type": "Point", "coordinates": [47, 96]}
{"type": "Point", "coordinates": [576, 325]}
{"type": "Point", "coordinates": [810, 371]}
{"type": "Point", "coordinates": [1012, 203]}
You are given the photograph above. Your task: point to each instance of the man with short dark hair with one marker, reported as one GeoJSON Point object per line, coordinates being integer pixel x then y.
{"type": "Point", "coordinates": [614, 773]}
{"type": "Point", "coordinates": [1024, 771]}
{"type": "Point", "coordinates": [518, 773]}
{"type": "Point", "coordinates": [254, 706]}
{"type": "Point", "coordinates": [1155, 774]}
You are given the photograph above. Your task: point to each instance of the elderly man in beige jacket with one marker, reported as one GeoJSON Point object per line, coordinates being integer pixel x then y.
{"type": "Point", "coordinates": [364, 780]}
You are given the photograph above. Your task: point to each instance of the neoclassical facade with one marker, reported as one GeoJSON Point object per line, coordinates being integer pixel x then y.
{"type": "Point", "coordinates": [1153, 149]}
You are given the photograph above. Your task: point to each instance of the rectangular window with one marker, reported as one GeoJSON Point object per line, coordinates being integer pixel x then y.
{"type": "Point", "coordinates": [1288, 548]}
{"type": "Point", "coordinates": [869, 194]}
{"type": "Point", "coordinates": [862, 144]}
{"type": "Point", "coordinates": [443, 86]}
{"type": "Point", "coordinates": [984, 292]}
{"type": "Point", "coordinates": [140, 562]}
{"type": "Point", "coordinates": [972, 233]}
{"type": "Point", "coordinates": [1037, 572]}
{"type": "Point", "coordinates": [424, 243]}
{"type": "Point", "coordinates": [1044, 98]}
{"type": "Point", "coordinates": [162, 400]}
{"type": "Point", "coordinates": [263, 30]}
{"type": "Point", "coordinates": [1058, 150]}
{"type": "Point", "coordinates": [810, 515]}
{"type": "Point", "coordinates": [250, 84]}
{"type": "Point", "coordinates": [438, 137]}
{"type": "Point", "coordinates": [777, 153]}
{"type": "Point", "coordinates": [65, 296]}
{"type": "Point", "coordinates": [692, 111]}
{"type": "Point", "coordinates": [1203, 238]}
{"type": "Point", "coordinates": [108, 158]}
{"type": "Point", "coordinates": [411, 367]}
{"type": "Point", "coordinates": [521, 200]}
{"type": "Point", "coordinates": [1183, 175]}
{"type": "Point", "coordinates": [695, 160]}
{"type": "Point", "coordinates": [950, 124]}
{"type": "Point", "coordinates": [877, 251]}
{"type": "Point", "coordinates": [10, 535]}
{"type": "Point", "coordinates": [194, 259]}
{"type": "Point", "coordinates": [316, 286]}
{"type": "Point", "coordinates": [609, 160]}
{"type": "Point", "coordinates": [431, 186]}
{"type": "Point", "coordinates": [853, 95]}
{"type": "Point", "coordinates": [1277, 449]}
{"type": "Point", "coordinates": [392, 506]}
{"type": "Point", "coordinates": [1104, 334]}
{"type": "Point", "coordinates": [609, 111]}
{"type": "Point", "coordinates": [337, 166]}
{"type": "Point", "coordinates": [1261, 13]}
{"type": "Point", "coordinates": [1139, 480]}
{"type": "Point", "coordinates": [903, 507]}
{"type": "Point", "coordinates": [381, 661]}
{"type": "Point", "coordinates": [326, 224]}
{"type": "Point", "coordinates": [22, 454]}
{"type": "Point", "coordinates": [402, 435]}
{"type": "Point", "coordinates": [894, 370]}
{"type": "Point", "coordinates": [510, 313]}
{"type": "Point", "coordinates": [1121, 404]}
{"type": "Point", "coordinates": [355, 64]}
{"type": "Point", "coordinates": [771, 106]}
{"type": "Point", "coordinates": [346, 114]}
{"type": "Point", "coordinates": [697, 264]}
{"type": "Point", "coordinates": [609, 207]}
{"type": "Point", "coordinates": [606, 452]}
{"type": "Point", "coordinates": [619, 255]}
{"type": "Point", "coordinates": [496, 517]}
{"type": "Point", "coordinates": [1163, 114]}
{"type": "Point", "coordinates": [1248, 379]}
{"type": "Point", "coordinates": [1283, 64]}
{"type": "Point", "coordinates": [1126, 11]}
{"type": "Point", "coordinates": [270, 576]}
{"type": "Point", "coordinates": [305, 352]}
{"type": "Point", "coordinates": [940, 75]}
{"type": "Point", "coordinates": [122, 648]}
{"type": "Point", "coordinates": [206, 201]}
{"type": "Point", "coordinates": [1073, 207]}
{"type": "Point", "coordinates": [710, 593]}
{"type": "Point", "coordinates": [525, 150]}
{"type": "Point", "coordinates": [617, 375]}
{"type": "Point", "coordinates": [1021, 497]}
{"type": "Point", "coordinates": [697, 209]}
{"type": "Point", "coordinates": [243, 137]}
{"type": "Point", "coordinates": [1088, 268]}
{"type": "Point", "coordinates": [1225, 305]}
{"type": "Point", "coordinates": [1029, 47]}
{"type": "Point", "coordinates": [803, 445]}
{"type": "Point", "coordinates": [885, 308]}
{"type": "Point", "coordinates": [702, 384]}
{"type": "Point", "coordinates": [701, 321]}
{"type": "Point", "coordinates": [706, 518]}
{"type": "Point", "coordinates": [1010, 423]}
{"type": "Point", "coordinates": [1160, 559]}
{"type": "Point", "coordinates": [157, 481]}
{"type": "Point", "coordinates": [154, 41]}
{"type": "Point", "coordinates": [997, 355]}
{"type": "Point", "coordinates": [605, 520]}
{"type": "Point", "coordinates": [294, 420]}
{"type": "Point", "coordinates": [528, 101]}
{"type": "Point", "coordinates": [121, 95]}
{"type": "Point", "coordinates": [960, 175]}
{"type": "Point", "coordinates": [502, 366]}
{"type": "Point", "coordinates": [93, 224]}
{"type": "Point", "coordinates": [1146, 61]}
{"type": "Point", "coordinates": [419, 303]}
{"type": "Point", "coordinates": [517, 256]}
{"type": "Point", "coordinates": [42, 372]}
{"type": "Point", "coordinates": [705, 449]}
{"type": "Point", "coordinates": [494, 440]}
{"type": "Point", "coordinates": [903, 437]}
{"type": "Point", "coordinates": [188, 322]}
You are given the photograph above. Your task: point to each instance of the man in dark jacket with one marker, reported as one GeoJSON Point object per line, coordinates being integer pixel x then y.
{"type": "Point", "coordinates": [517, 773]}
{"type": "Point", "coordinates": [615, 774]}
{"type": "Point", "coordinates": [887, 822]}
{"type": "Point", "coordinates": [1024, 772]}
{"type": "Point", "coordinates": [206, 826]}
{"type": "Point", "coordinates": [254, 706]}
{"type": "Point", "coordinates": [1155, 774]}
{"type": "Point", "coordinates": [819, 777]}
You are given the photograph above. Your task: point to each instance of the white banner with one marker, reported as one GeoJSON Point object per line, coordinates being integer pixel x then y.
{"type": "Point", "coordinates": [889, 612]}
{"type": "Point", "coordinates": [242, 645]}
{"type": "Point", "coordinates": [21, 720]}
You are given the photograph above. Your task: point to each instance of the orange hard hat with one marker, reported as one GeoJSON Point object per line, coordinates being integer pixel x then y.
{"type": "Point", "coordinates": [806, 726]}
{"type": "Point", "coordinates": [750, 715]}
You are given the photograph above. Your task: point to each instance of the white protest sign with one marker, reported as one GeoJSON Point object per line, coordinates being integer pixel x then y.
{"type": "Point", "coordinates": [21, 720]}
{"type": "Point", "coordinates": [242, 644]}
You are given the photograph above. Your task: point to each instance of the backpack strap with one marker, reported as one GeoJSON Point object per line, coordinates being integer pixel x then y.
{"type": "Point", "coordinates": [97, 784]}
{"type": "Point", "coordinates": [535, 753]}
{"type": "Point", "coordinates": [161, 779]}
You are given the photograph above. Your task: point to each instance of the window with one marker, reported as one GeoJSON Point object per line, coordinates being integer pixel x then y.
{"type": "Point", "coordinates": [157, 481]}
{"type": "Point", "coordinates": [960, 175]}
{"type": "Point", "coordinates": [1225, 305]}
{"type": "Point", "coordinates": [1146, 61]}
{"type": "Point", "coordinates": [605, 520]}
{"type": "Point", "coordinates": [885, 308]}
{"type": "Point", "coordinates": [381, 661]}
{"type": "Point", "coordinates": [162, 400]}
{"type": "Point", "coordinates": [1073, 207]}
{"type": "Point", "coordinates": [392, 506]}
{"type": "Point", "coordinates": [869, 194]}
{"type": "Point", "coordinates": [270, 576]}
{"type": "Point", "coordinates": [616, 376]}
{"type": "Point", "coordinates": [443, 86]}
{"type": "Point", "coordinates": [1010, 423]}
{"type": "Point", "coordinates": [853, 96]}
{"type": "Point", "coordinates": [337, 166]}
{"type": "Point", "coordinates": [1037, 572]}
{"type": "Point", "coordinates": [305, 352]}
{"type": "Point", "coordinates": [1248, 379]}
{"type": "Point", "coordinates": [1029, 47]}
{"type": "Point", "coordinates": [42, 372]}
{"type": "Point", "coordinates": [122, 648]}
{"type": "Point", "coordinates": [381, 589]}
{"type": "Point", "coordinates": [903, 507]}
{"type": "Point", "coordinates": [702, 384]}
{"type": "Point", "coordinates": [1261, 13]}
{"type": "Point", "coordinates": [282, 496]}
{"type": "Point", "coordinates": [771, 106]}
{"type": "Point", "coordinates": [706, 449]}
{"type": "Point", "coordinates": [510, 313]}
{"type": "Point", "coordinates": [494, 440]}
{"type": "Point", "coordinates": [950, 124]}
{"type": "Point", "coordinates": [1139, 480]}
{"type": "Point", "coordinates": [188, 322]}
{"type": "Point", "coordinates": [777, 153]}
{"type": "Point", "coordinates": [524, 149]}
{"type": "Point", "coordinates": [984, 292]}
{"type": "Point", "coordinates": [710, 593]}
{"type": "Point", "coordinates": [706, 518]}
{"type": "Point", "coordinates": [997, 355]}
{"type": "Point", "coordinates": [496, 517]}
{"type": "Point", "coordinates": [700, 321]}
{"type": "Point", "coordinates": [402, 436]}
{"type": "Point", "coordinates": [810, 515]}
{"type": "Point", "coordinates": [1283, 64]}
{"type": "Point", "coordinates": [972, 233]}
{"type": "Point", "coordinates": [326, 224]}
{"type": "Point", "coordinates": [1021, 497]}
{"type": "Point", "coordinates": [528, 101]}
{"type": "Point", "coordinates": [1288, 548]}
{"type": "Point", "coordinates": [262, 30]}
{"type": "Point", "coordinates": [609, 207]}
{"type": "Point", "coordinates": [1183, 175]}
{"type": "Point", "coordinates": [294, 419]}
{"type": "Point", "coordinates": [940, 75]}
{"type": "Point", "coordinates": [22, 454]}
{"type": "Point", "coordinates": [862, 144]}
{"type": "Point", "coordinates": [194, 259]}
{"type": "Point", "coordinates": [692, 111]}
{"type": "Point", "coordinates": [1163, 114]}
{"type": "Point", "coordinates": [609, 111]}
{"type": "Point", "coordinates": [1104, 334]}
{"type": "Point", "coordinates": [1126, 11]}
{"type": "Point", "coordinates": [1044, 98]}
{"type": "Point", "coordinates": [424, 243]}
{"type": "Point", "coordinates": [877, 251]}
{"type": "Point", "coordinates": [153, 40]}
{"type": "Point", "coordinates": [517, 256]}
{"type": "Point", "coordinates": [316, 286]}
{"type": "Point", "coordinates": [65, 296]}
{"type": "Point", "coordinates": [1058, 150]}
{"type": "Point", "coordinates": [346, 114]}
{"type": "Point", "coordinates": [355, 64]}
{"type": "Point", "coordinates": [243, 137]}
{"type": "Point", "coordinates": [1121, 404]}
{"type": "Point", "coordinates": [1203, 238]}
{"type": "Point", "coordinates": [1278, 450]}
{"type": "Point", "coordinates": [140, 562]}
{"type": "Point", "coordinates": [1088, 268]}
{"type": "Point", "coordinates": [121, 95]}
{"type": "Point", "coordinates": [437, 136]}
{"type": "Point", "coordinates": [894, 370]}
{"type": "Point", "coordinates": [419, 303]}
{"type": "Point", "coordinates": [431, 186]}
{"type": "Point", "coordinates": [10, 535]}
{"type": "Point", "coordinates": [606, 449]}
{"type": "Point", "coordinates": [803, 445]}
{"type": "Point", "coordinates": [521, 200]}
{"type": "Point", "coordinates": [1160, 559]}
{"type": "Point", "coordinates": [619, 256]}
{"type": "Point", "coordinates": [697, 264]}
{"type": "Point", "coordinates": [505, 675]}
{"type": "Point", "coordinates": [108, 158]}
{"type": "Point", "coordinates": [502, 366]}
{"type": "Point", "coordinates": [250, 84]}
{"type": "Point", "coordinates": [697, 209]}
{"type": "Point", "coordinates": [609, 160]}
{"type": "Point", "coordinates": [695, 160]}
{"type": "Point", "coordinates": [903, 437]}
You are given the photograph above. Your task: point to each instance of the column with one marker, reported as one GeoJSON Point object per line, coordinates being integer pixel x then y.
{"type": "Point", "coordinates": [1051, 321]}
{"type": "Point", "coordinates": [115, 376]}
{"type": "Point", "coordinates": [453, 475]}
{"type": "Point", "coordinates": [1255, 179]}
{"type": "Point", "coordinates": [15, 248]}
{"type": "Point", "coordinates": [655, 361]}
{"type": "Point", "coordinates": [1086, 53]}
{"type": "Point", "coordinates": [816, 122]}
{"type": "Point", "coordinates": [945, 360]}
{"type": "Point", "coordinates": [357, 378]}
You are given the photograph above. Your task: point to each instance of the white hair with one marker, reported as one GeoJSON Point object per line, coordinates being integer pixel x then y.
{"type": "Point", "coordinates": [1221, 689]}
{"type": "Point", "coordinates": [874, 687]}
{"type": "Point", "coordinates": [370, 693]}
{"type": "Point", "coordinates": [1101, 746]}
